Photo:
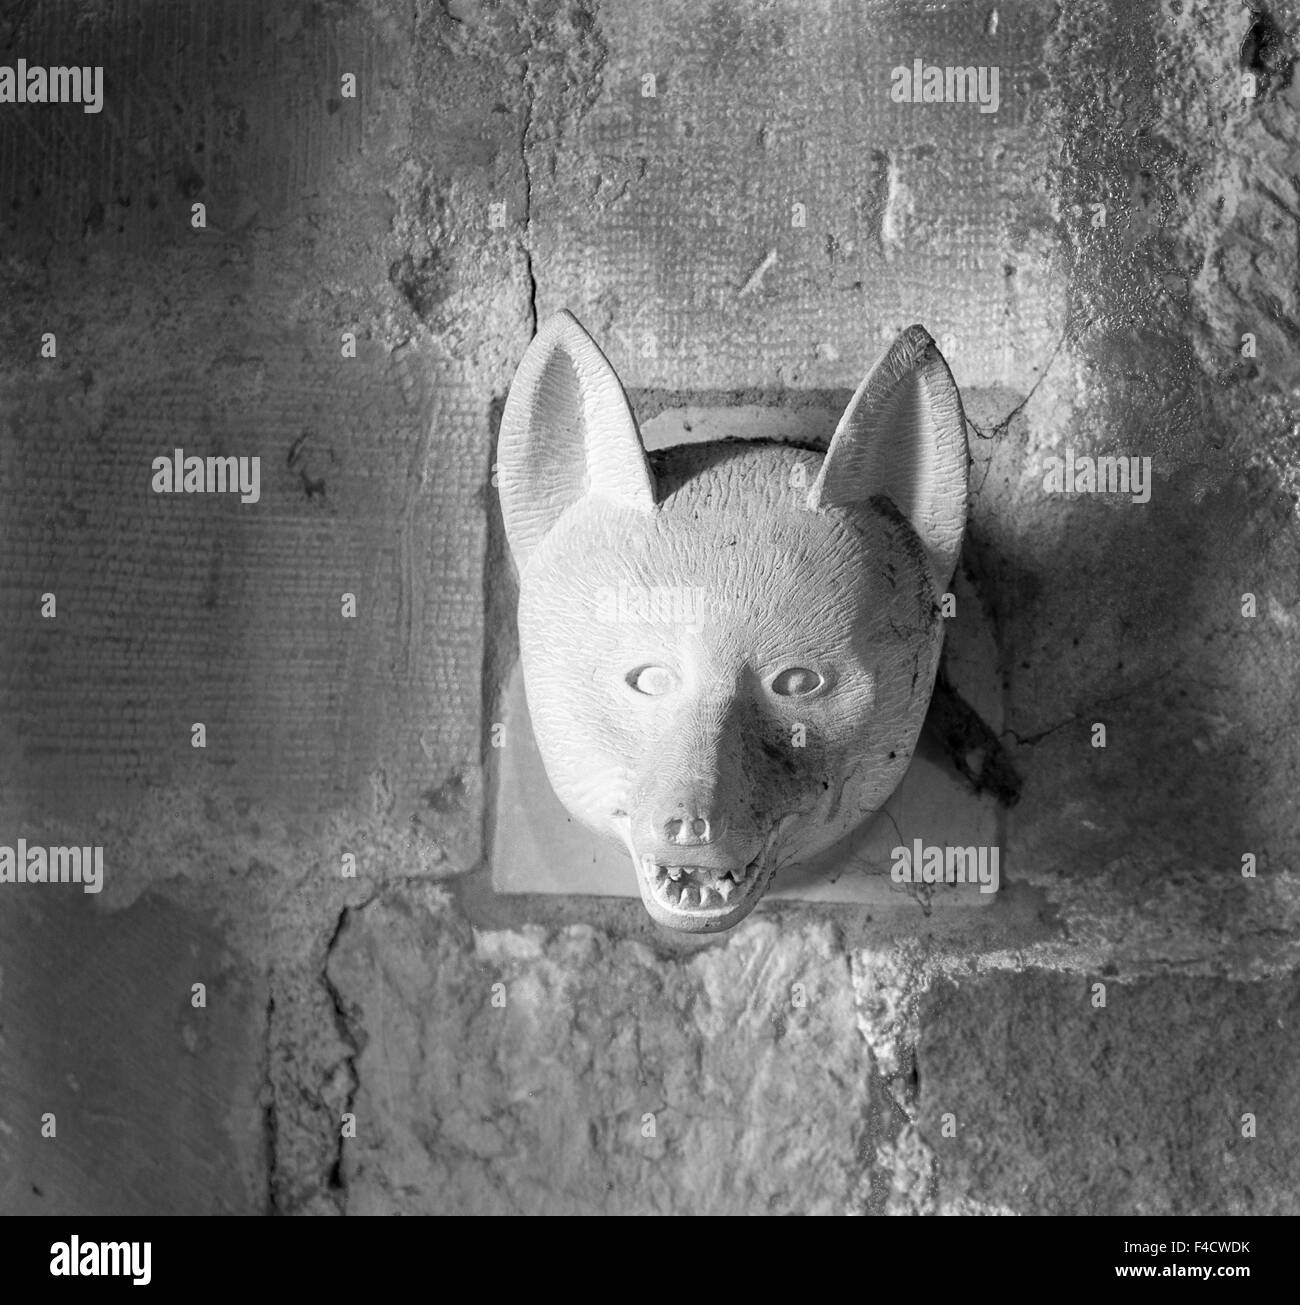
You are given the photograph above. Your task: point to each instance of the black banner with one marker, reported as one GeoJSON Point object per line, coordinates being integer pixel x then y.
{"type": "Point", "coordinates": [1225, 1257]}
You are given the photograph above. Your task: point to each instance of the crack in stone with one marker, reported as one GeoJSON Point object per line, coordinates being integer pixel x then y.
{"type": "Point", "coordinates": [887, 990]}
{"type": "Point", "coordinates": [1000, 428]}
{"type": "Point", "coordinates": [530, 93]}
{"type": "Point", "coordinates": [1029, 740]}
{"type": "Point", "coordinates": [269, 1121]}
{"type": "Point", "coordinates": [343, 1026]}
{"type": "Point", "coordinates": [572, 56]}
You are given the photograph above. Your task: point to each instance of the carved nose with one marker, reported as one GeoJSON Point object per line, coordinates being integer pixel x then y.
{"type": "Point", "coordinates": [689, 832]}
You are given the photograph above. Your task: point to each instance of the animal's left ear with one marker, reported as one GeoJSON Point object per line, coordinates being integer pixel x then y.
{"type": "Point", "coordinates": [904, 435]}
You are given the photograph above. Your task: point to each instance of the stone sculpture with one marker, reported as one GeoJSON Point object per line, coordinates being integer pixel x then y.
{"type": "Point", "coordinates": [728, 648]}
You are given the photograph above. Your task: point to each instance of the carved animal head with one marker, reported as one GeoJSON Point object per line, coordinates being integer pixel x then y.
{"type": "Point", "coordinates": [728, 648]}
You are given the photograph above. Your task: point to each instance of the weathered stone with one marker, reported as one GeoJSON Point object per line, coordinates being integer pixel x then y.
{"type": "Point", "coordinates": [667, 224]}
{"type": "Point", "coordinates": [743, 1058]}
{"type": "Point", "coordinates": [156, 1099]}
{"type": "Point", "coordinates": [1138, 1107]}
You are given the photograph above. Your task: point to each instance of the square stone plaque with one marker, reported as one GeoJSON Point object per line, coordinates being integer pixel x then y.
{"type": "Point", "coordinates": [538, 847]}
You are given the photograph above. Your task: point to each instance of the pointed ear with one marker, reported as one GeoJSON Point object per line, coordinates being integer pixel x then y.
{"type": "Point", "coordinates": [904, 435]}
{"type": "Point", "coordinates": [567, 431]}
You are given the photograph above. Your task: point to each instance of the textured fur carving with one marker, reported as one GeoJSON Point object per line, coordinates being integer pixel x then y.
{"type": "Point", "coordinates": [728, 648]}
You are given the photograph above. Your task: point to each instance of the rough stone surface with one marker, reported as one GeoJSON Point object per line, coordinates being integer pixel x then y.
{"type": "Point", "coordinates": [1102, 1125]}
{"type": "Point", "coordinates": [666, 224]}
{"type": "Point", "coordinates": [608, 1079]}
{"type": "Point", "coordinates": [163, 1114]}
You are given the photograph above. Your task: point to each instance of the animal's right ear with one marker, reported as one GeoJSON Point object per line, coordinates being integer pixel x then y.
{"type": "Point", "coordinates": [567, 431]}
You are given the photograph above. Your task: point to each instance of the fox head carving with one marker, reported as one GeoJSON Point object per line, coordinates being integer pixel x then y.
{"type": "Point", "coordinates": [728, 648]}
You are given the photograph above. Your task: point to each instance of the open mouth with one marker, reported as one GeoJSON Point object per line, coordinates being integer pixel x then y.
{"type": "Point", "coordinates": [697, 887]}
{"type": "Point", "coordinates": [700, 898]}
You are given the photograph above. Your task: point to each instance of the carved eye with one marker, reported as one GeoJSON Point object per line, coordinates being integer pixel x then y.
{"type": "Point", "coordinates": [651, 680]}
{"type": "Point", "coordinates": [796, 682]}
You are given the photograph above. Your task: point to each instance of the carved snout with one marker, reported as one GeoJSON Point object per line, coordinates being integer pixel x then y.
{"type": "Point", "coordinates": [694, 792]}
{"type": "Point", "coordinates": [693, 836]}
{"type": "Point", "coordinates": [689, 825]}
{"type": "Point", "coordinates": [680, 811]}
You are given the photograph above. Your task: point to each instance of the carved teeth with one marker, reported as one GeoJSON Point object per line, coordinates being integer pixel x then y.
{"type": "Point", "coordinates": [691, 887]}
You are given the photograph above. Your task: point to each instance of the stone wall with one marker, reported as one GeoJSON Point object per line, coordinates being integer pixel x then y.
{"type": "Point", "coordinates": [1110, 264]}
